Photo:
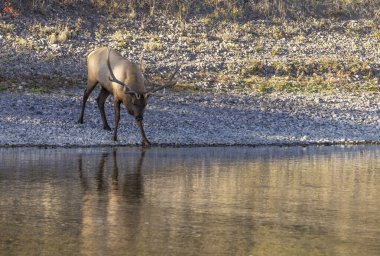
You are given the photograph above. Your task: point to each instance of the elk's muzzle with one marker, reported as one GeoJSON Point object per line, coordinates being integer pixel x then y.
{"type": "Point", "coordinates": [139, 118]}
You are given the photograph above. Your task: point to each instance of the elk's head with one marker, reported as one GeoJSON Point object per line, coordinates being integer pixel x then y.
{"type": "Point", "coordinates": [136, 104]}
{"type": "Point", "coordinates": [138, 101]}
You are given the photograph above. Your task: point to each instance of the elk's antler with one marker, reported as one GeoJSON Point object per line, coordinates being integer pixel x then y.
{"type": "Point", "coordinates": [127, 90]}
{"type": "Point", "coordinates": [169, 83]}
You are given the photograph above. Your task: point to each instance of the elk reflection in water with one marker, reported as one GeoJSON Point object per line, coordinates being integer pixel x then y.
{"type": "Point", "coordinates": [133, 184]}
{"type": "Point", "coordinates": [105, 200]}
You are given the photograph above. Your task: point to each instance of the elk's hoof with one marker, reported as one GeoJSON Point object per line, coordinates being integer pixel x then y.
{"type": "Point", "coordinates": [114, 138]}
{"type": "Point", "coordinates": [80, 121]}
{"type": "Point", "coordinates": [146, 143]}
{"type": "Point", "coordinates": [107, 128]}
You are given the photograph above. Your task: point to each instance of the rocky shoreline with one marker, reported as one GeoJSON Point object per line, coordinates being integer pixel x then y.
{"type": "Point", "coordinates": [175, 119]}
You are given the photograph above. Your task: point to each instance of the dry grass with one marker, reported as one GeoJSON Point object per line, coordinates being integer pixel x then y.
{"type": "Point", "coordinates": [60, 36]}
{"type": "Point", "coordinates": [218, 9]}
{"type": "Point", "coordinates": [21, 43]}
{"type": "Point", "coordinates": [121, 38]}
{"type": "Point", "coordinates": [153, 45]}
{"type": "Point", "coordinates": [6, 28]}
{"type": "Point", "coordinates": [54, 34]}
{"type": "Point", "coordinates": [311, 75]}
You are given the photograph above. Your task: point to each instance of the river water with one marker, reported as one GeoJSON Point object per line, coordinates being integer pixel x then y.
{"type": "Point", "coordinates": [190, 201]}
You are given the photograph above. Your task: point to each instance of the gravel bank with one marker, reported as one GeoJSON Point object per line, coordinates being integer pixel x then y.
{"type": "Point", "coordinates": [193, 119]}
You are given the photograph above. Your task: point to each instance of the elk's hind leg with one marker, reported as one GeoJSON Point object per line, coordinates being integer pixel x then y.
{"type": "Point", "coordinates": [101, 100]}
{"type": "Point", "coordinates": [89, 88]}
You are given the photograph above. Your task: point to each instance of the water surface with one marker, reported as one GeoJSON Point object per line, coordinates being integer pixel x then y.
{"type": "Point", "coordinates": [190, 201]}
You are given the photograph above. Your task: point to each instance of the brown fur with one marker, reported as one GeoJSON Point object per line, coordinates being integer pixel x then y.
{"type": "Point", "coordinates": [125, 71]}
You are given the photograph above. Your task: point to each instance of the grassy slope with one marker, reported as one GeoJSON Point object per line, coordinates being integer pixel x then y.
{"type": "Point", "coordinates": [223, 23]}
{"type": "Point", "coordinates": [224, 9]}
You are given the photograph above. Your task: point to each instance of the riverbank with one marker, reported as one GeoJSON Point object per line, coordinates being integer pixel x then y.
{"type": "Point", "coordinates": [244, 81]}
{"type": "Point", "coordinates": [177, 119]}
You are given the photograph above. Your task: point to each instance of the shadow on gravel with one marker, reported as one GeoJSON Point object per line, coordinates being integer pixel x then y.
{"type": "Point", "coordinates": [51, 119]}
{"type": "Point", "coordinates": [37, 70]}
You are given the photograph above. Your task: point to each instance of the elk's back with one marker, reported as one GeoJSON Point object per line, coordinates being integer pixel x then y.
{"type": "Point", "coordinates": [124, 70]}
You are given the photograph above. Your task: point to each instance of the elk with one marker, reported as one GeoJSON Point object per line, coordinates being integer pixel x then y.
{"type": "Point", "coordinates": [125, 81]}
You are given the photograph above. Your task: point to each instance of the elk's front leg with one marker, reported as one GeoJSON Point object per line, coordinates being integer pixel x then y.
{"type": "Point", "coordinates": [101, 100]}
{"type": "Point", "coordinates": [117, 118]}
{"type": "Point", "coordinates": [145, 141]}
